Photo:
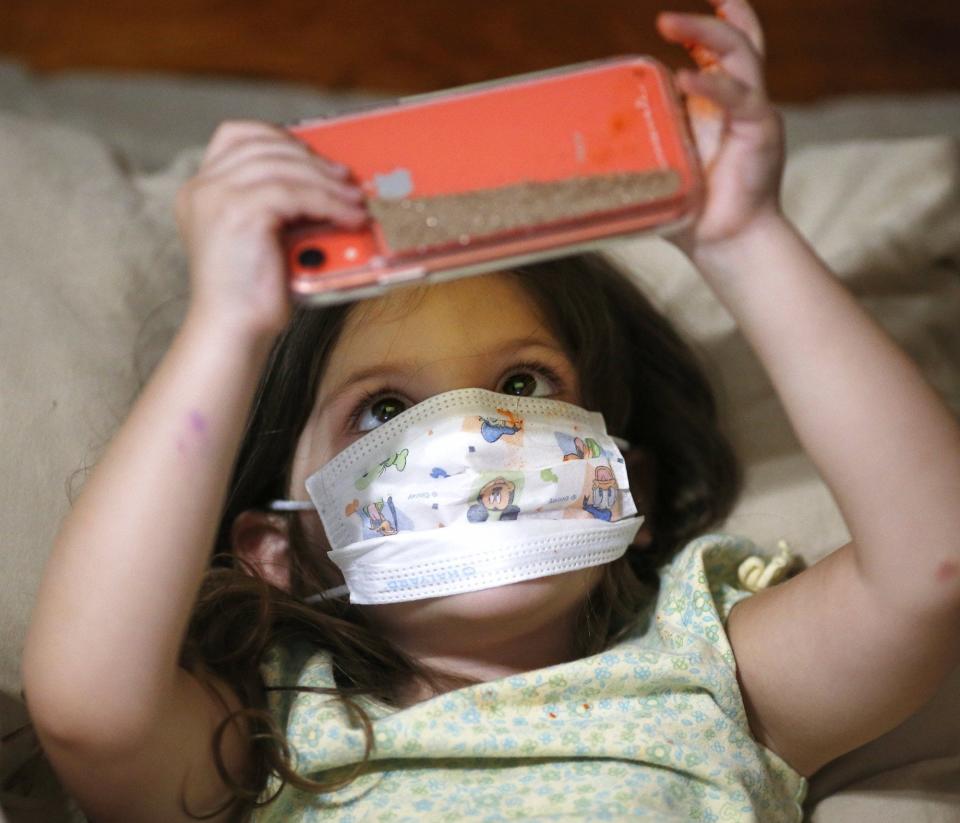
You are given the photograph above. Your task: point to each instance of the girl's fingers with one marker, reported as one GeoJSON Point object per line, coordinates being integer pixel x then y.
{"type": "Point", "coordinates": [264, 203]}
{"type": "Point", "coordinates": [249, 157]}
{"type": "Point", "coordinates": [740, 14]}
{"type": "Point", "coordinates": [230, 132]}
{"type": "Point", "coordinates": [285, 200]}
{"type": "Point", "coordinates": [736, 98]}
{"type": "Point", "coordinates": [294, 169]}
{"type": "Point", "coordinates": [255, 193]}
{"type": "Point", "coordinates": [255, 148]}
{"type": "Point", "coordinates": [244, 138]}
{"type": "Point", "coordinates": [714, 41]}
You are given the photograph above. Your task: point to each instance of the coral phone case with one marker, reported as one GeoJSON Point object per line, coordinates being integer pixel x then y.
{"type": "Point", "coordinates": [496, 174]}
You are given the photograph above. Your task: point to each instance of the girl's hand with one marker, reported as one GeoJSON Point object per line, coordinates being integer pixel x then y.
{"type": "Point", "coordinates": [739, 135]}
{"type": "Point", "coordinates": [254, 177]}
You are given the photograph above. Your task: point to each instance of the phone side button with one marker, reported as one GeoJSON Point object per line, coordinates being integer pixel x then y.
{"type": "Point", "coordinates": [402, 275]}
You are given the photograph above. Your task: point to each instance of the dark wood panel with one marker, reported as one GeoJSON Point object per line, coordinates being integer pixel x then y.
{"type": "Point", "coordinates": [816, 47]}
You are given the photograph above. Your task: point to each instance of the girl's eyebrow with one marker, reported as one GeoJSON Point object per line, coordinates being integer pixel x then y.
{"type": "Point", "coordinates": [404, 367]}
{"type": "Point", "coordinates": [381, 370]}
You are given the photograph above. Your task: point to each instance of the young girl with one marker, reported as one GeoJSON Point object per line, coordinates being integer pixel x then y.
{"type": "Point", "coordinates": [595, 658]}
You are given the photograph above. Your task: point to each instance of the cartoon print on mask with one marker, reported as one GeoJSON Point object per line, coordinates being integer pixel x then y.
{"type": "Point", "coordinates": [398, 460]}
{"type": "Point", "coordinates": [575, 448]}
{"type": "Point", "coordinates": [494, 428]}
{"type": "Point", "coordinates": [548, 476]}
{"type": "Point", "coordinates": [604, 498]}
{"type": "Point", "coordinates": [381, 519]}
{"type": "Point", "coordinates": [495, 499]}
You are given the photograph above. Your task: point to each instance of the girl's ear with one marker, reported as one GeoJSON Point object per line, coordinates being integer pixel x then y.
{"type": "Point", "coordinates": [262, 540]}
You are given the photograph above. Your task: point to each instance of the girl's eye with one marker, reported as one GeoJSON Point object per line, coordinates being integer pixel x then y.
{"type": "Point", "coordinates": [370, 415]}
{"type": "Point", "coordinates": [531, 382]}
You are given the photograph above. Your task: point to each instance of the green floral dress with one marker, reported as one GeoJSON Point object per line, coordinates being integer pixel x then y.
{"type": "Point", "coordinates": [652, 729]}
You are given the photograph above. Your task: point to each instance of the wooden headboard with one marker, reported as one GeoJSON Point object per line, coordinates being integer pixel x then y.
{"type": "Point", "coordinates": [816, 47]}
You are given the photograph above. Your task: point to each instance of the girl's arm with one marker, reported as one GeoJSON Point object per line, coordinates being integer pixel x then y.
{"type": "Point", "coordinates": [881, 437]}
{"type": "Point", "coordinates": [116, 594]}
{"type": "Point", "coordinates": [848, 649]}
{"type": "Point", "coordinates": [100, 666]}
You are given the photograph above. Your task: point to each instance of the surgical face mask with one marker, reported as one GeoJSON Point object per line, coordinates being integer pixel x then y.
{"type": "Point", "coordinates": [469, 490]}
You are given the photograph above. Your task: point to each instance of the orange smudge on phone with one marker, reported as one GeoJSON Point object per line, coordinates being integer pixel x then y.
{"type": "Point", "coordinates": [619, 123]}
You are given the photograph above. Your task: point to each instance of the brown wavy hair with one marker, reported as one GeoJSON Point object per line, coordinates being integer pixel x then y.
{"type": "Point", "coordinates": [633, 367]}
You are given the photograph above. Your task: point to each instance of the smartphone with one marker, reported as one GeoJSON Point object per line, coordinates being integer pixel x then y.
{"type": "Point", "coordinates": [496, 174]}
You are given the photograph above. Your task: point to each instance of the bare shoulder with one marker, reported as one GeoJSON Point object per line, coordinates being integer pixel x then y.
{"type": "Point", "coordinates": [825, 664]}
{"type": "Point", "coordinates": [170, 769]}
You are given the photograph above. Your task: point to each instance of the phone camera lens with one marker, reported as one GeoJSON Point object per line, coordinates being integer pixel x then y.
{"type": "Point", "coordinates": [312, 258]}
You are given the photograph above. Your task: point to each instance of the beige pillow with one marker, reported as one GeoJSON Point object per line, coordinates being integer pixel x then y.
{"type": "Point", "coordinates": [89, 265]}
{"type": "Point", "coordinates": [94, 282]}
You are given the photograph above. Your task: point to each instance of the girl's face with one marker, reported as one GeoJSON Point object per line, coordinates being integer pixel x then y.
{"type": "Point", "coordinates": [398, 350]}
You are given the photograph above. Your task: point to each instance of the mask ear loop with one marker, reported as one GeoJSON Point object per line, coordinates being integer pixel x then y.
{"type": "Point", "coordinates": [302, 506]}
{"type": "Point", "coordinates": [329, 594]}
{"type": "Point", "coordinates": [623, 445]}
{"type": "Point", "coordinates": [289, 505]}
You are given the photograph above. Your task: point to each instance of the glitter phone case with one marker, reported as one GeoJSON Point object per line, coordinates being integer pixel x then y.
{"type": "Point", "coordinates": [496, 174]}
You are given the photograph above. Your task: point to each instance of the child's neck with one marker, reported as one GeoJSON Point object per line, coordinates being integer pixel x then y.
{"type": "Point", "coordinates": [458, 654]}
